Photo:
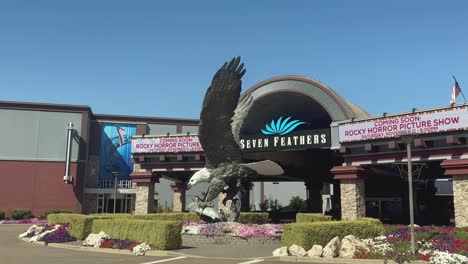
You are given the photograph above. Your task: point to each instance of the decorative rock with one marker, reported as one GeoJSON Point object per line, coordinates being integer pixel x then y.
{"type": "Point", "coordinates": [315, 251]}
{"type": "Point", "coordinates": [94, 240]}
{"type": "Point", "coordinates": [350, 245]}
{"type": "Point", "coordinates": [297, 251]}
{"type": "Point", "coordinates": [281, 252]}
{"type": "Point", "coordinates": [332, 249]}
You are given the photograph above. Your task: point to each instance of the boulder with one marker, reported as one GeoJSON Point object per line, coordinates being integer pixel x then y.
{"type": "Point", "coordinates": [94, 240]}
{"type": "Point", "coordinates": [332, 249]}
{"type": "Point", "coordinates": [315, 251]}
{"type": "Point", "coordinates": [281, 252]}
{"type": "Point", "coordinates": [297, 251]}
{"type": "Point", "coordinates": [351, 245]}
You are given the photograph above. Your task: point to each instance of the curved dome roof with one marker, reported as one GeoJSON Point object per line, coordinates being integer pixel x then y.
{"type": "Point", "coordinates": [335, 105]}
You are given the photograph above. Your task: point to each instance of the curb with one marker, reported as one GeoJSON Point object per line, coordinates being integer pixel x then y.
{"type": "Point", "coordinates": [162, 253]}
{"type": "Point", "coordinates": [153, 253]}
{"type": "Point", "coordinates": [318, 260]}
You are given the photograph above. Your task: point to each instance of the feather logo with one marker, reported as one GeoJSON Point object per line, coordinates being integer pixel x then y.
{"type": "Point", "coordinates": [281, 127]}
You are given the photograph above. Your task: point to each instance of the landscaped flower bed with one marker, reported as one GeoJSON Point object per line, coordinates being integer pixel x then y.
{"type": "Point", "coordinates": [231, 229]}
{"type": "Point", "coordinates": [433, 244]}
{"type": "Point", "coordinates": [24, 221]}
{"type": "Point", "coordinates": [48, 233]}
{"type": "Point", "coordinates": [102, 240]}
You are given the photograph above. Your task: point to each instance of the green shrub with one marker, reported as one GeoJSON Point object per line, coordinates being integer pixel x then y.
{"type": "Point", "coordinates": [461, 233]}
{"type": "Point", "coordinates": [297, 203]}
{"type": "Point", "coordinates": [308, 234]}
{"type": "Point", "coordinates": [2, 215]}
{"type": "Point", "coordinates": [160, 234]}
{"type": "Point", "coordinates": [157, 217]}
{"type": "Point", "coordinates": [305, 217]}
{"type": "Point", "coordinates": [80, 225]}
{"type": "Point", "coordinates": [54, 211]}
{"type": "Point", "coordinates": [254, 218]}
{"type": "Point", "coordinates": [21, 214]}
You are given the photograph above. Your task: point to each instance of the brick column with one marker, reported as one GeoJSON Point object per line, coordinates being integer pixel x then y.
{"type": "Point", "coordinates": [352, 190]}
{"type": "Point", "coordinates": [178, 203]}
{"type": "Point", "coordinates": [144, 200]}
{"type": "Point", "coordinates": [458, 169]}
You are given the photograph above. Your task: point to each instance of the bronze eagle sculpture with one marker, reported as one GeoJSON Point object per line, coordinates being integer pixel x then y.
{"type": "Point", "coordinates": [221, 119]}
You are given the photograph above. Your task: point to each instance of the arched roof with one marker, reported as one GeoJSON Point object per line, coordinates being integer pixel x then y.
{"type": "Point", "coordinates": [336, 106]}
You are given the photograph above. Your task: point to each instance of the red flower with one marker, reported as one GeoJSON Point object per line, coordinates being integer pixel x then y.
{"type": "Point", "coordinates": [107, 244]}
{"type": "Point", "coordinates": [425, 257]}
{"type": "Point", "coordinates": [132, 245]}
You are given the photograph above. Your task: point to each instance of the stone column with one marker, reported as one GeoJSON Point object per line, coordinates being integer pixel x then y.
{"type": "Point", "coordinates": [352, 191]}
{"type": "Point", "coordinates": [144, 200]}
{"type": "Point", "coordinates": [458, 169]}
{"type": "Point", "coordinates": [178, 203]}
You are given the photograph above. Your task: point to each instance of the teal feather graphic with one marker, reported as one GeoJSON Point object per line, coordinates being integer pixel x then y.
{"type": "Point", "coordinates": [281, 127]}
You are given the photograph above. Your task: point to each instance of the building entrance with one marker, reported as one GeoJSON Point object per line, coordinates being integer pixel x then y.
{"type": "Point", "coordinates": [108, 203]}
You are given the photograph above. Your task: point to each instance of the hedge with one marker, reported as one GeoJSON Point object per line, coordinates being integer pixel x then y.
{"type": "Point", "coordinates": [2, 215]}
{"type": "Point", "coordinates": [160, 234]}
{"type": "Point", "coordinates": [157, 217]}
{"type": "Point", "coordinates": [254, 218]}
{"type": "Point", "coordinates": [80, 225]}
{"type": "Point", "coordinates": [54, 211]}
{"type": "Point", "coordinates": [320, 233]}
{"type": "Point", "coordinates": [304, 217]}
{"type": "Point", "coordinates": [21, 214]}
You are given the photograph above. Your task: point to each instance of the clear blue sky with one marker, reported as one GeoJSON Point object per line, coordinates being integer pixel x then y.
{"type": "Point", "coordinates": [156, 58]}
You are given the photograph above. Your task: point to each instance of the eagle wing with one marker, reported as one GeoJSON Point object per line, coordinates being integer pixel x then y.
{"type": "Point", "coordinates": [221, 99]}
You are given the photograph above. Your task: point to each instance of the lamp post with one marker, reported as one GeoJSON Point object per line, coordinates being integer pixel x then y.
{"type": "Point", "coordinates": [116, 175]}
{"type": "Point", "coordinates": [408, 139]}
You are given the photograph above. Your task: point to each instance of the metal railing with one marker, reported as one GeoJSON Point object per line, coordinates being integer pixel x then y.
{"type": "Point", "coordinates": [122, 184]}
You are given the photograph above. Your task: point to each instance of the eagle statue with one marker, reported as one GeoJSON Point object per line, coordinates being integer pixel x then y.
{"type": "Point", "coordinates": [221, 118]}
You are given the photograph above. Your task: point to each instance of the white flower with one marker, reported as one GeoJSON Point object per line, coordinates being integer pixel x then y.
{"type": "Point", "coordinates": [141, 249]}
{"type": "Point", "coordinates": [95, 240]}
{"type": "Point", "coordinates": [440, 257]}
{"type": "Point", "coordinates": [190, 230]}
{"type": "Point", "coordinates": [379, 245]}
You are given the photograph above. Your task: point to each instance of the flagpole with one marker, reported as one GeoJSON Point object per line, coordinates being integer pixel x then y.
{"type": "Point", "coordinates": [460, 88]}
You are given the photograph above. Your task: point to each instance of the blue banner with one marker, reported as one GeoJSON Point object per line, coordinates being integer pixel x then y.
{"type": "Point", "coordinates": [115, 150]}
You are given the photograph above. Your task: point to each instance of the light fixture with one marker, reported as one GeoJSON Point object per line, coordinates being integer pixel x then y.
{"type": "Point", "coordinates": [67, 179]}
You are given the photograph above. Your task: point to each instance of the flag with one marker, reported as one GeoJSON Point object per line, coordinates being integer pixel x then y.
{"type": "Point", "coordinates": [121, 133]}
{"type": "Point", "coordinates": [455, 92]}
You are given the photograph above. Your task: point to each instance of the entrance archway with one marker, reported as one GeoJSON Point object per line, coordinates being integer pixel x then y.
{"type": "Point", "coordinates": [315, 104]}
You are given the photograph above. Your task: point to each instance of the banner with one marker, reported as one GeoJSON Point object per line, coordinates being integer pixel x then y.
{"type": "Point", "coordinates": [166, 144]}
{"type": "Point", "coordinates": [417, 123]}
{"type": "Point", "coordinates": [115, 150]}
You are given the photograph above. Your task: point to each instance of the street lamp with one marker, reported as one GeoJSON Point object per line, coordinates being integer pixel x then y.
{"type": "Point", "coordinates": [116, 175]}
{"type": "Point", "coordinates": [408, 139]}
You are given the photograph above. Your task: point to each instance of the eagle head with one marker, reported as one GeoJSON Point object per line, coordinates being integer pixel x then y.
{"type": "Point", "coordinates": [203, 175]}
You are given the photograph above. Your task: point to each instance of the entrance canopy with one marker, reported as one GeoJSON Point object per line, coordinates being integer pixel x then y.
{"type": "Point", "coordinates": [303, 108]}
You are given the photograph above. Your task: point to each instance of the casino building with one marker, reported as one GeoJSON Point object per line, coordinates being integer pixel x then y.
{"type": "Point", "coordinates": [346, 162]}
